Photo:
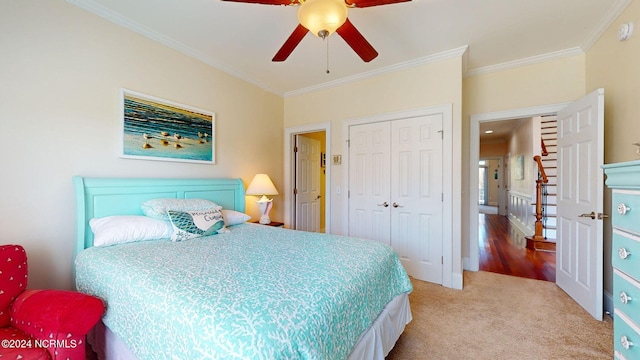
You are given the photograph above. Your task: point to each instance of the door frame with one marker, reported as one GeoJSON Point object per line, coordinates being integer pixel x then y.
{"type": "Point", "coordinates": [450, 277]}
{"type": "Point", "coordinates": [290, 174]}
{"type": "Point", "coordinates": [472, 263]}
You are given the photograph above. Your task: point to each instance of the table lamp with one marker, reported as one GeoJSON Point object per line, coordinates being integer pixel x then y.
{"type": "Point", "coordinates": [262, 185]}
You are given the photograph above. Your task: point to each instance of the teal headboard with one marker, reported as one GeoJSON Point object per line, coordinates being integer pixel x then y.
{"type": "Point", "coordinates": [99, 197]}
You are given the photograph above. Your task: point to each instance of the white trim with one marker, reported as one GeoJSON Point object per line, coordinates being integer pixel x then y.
{"type": "Point", "coordinates": [473, 263]}
{"type": "Point", "coordinates": [457, 281]}
{"type": "Point", "coordinates": [450, 54]}
{"type": "Point", "coordinates": [289, 175]}
{"type": "Point", "coordinates": [450, 277]}
{"type": "Point", "coordinates": [613, 13]}
{"type": "Point", "coordinates": [526, 61]}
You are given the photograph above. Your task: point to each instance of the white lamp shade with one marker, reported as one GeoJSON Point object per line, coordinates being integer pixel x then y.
{"type": "Point", "coordinates": [318, 15]}
{"type": "Point", "coordinates": [261, 185]}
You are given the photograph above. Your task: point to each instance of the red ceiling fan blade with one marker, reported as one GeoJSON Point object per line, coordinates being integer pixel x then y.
{"type": "Point", "coordinates": [291, 43]}
{"type": "Point", "coordinates": [357, 42]}
{"type": "Point", "coordinates": [368, 3]}
{"type": "Point", "coordinates": [266, 2]}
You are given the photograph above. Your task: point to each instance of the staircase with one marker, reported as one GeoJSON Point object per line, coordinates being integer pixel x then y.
{"type": "Point", "coordinates": [544, 238]}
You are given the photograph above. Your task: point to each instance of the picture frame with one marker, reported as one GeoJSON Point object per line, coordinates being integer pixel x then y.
{"type": "Point", "coordinates": [519, 168]}
{"type": "Point", "coordinates": [157, 129]}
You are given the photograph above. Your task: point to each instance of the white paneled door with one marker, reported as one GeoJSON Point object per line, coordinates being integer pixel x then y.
{"type": "Point", "coordinates": [396, 190]}
{"type": "Point", "coordinates": [370, 181]}
{"type": "Point", "coordinates": [579, 248]}
{"type": "Point", "coordinates": [307, 191]}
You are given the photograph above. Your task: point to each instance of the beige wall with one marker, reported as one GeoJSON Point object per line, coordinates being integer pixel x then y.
{"type": "Point", "coordinates": [550, 82]}
{"type": "Point", "coordinates": [521, 145]}
{"type": "Point", "coordinates": [60, 72]}
{"type": "Point", "coordinates": [493, 149]}
{"type": "Point", "coordinates": [615, 66]}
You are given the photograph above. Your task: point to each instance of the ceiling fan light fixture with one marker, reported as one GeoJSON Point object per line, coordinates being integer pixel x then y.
{"type": "Point", "coordinates": [322, 17]}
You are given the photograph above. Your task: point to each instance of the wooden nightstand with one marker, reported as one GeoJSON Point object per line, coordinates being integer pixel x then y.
{"type": "Point", "coordinates": [273, 223]}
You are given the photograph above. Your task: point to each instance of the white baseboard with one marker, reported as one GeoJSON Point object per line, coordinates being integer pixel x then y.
{"type": "Point", "coordinates": [457, 281]}
{"type": "Point", "coordinates": [466, 264]}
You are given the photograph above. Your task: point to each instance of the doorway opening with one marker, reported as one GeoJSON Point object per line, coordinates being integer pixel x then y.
{"type": "Point", "coordinates": [479, 222]}
{"type": "Point", "coordinates": [490, 189]}
{"type": "Point", "coordinates": [303, 208]}
{"type": "Point", "coordinates": [483, 179]}
{"type": "Point", "coordinates": [503, 229]}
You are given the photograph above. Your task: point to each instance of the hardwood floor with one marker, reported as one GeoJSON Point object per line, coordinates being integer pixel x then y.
{"type": "Point", "coordinates": [502, 252]}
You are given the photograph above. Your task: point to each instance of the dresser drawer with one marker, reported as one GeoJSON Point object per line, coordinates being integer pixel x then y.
{"type": "Point", "coordinates": [626, 337]}
{"type": "Point", "coordinates": [626, 294]}
{"type": "Point", "coordinates": [626, 210]}
{"type": "Point", "coordinates": [625, 253]}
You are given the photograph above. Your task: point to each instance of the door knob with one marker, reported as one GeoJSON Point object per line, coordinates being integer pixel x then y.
{"type": "Point", "coordinates": [591, 215]}
{"type": "Point", "coordinates": [385, 204]}
{"type": "Point", "coordinates": [395, 205]}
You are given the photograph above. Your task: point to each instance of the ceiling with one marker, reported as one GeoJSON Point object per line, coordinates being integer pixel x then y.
{"type": "Point", "coordinates": [241, 38]}
{"type": "Point", "coordinates": [501, 130]}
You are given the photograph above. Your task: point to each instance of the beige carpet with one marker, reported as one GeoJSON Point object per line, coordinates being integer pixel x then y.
{"type": "Point", "coordinates": [500, 317]}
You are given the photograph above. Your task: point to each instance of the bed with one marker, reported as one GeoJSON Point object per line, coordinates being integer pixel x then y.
{"type": "Point", "coordinates": [254, 292]}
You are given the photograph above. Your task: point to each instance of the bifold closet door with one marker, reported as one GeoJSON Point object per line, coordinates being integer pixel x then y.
{"type": "Point", "coordinates": [416, 195]}
{"type": "Point", "coordinates": [395, 183]}
{"type": "Point", "coordinates": [370, 181]}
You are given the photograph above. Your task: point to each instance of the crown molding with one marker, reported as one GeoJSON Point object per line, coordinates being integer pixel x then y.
{"type": "Point", "coordinates": [449, 54]}
{"type": "Point", "coordinates": [525, 61]}
{"type": "Point", "coordinates": [614, 12]}
{"type": "Point", "coordinates": [167, 41]}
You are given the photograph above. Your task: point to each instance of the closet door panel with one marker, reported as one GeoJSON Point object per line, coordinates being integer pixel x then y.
{"type": "Point", "coordinates": [416, 195]}
{"type": "Point", "coordinates": [369, 181]}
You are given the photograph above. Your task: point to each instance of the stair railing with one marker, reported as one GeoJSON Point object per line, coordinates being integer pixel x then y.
{"type": "Point", "coordinates": [544, 148]}
{"type": "Point", "coordinates": [540, 199]}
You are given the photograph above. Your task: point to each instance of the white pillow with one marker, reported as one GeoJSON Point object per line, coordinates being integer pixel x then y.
{"type": "Point", "coordinates": [232, 217]}
{"type": "Point", "coordinates": [121, 229]}
{"type": "Point", "coordinates": [157, 208]}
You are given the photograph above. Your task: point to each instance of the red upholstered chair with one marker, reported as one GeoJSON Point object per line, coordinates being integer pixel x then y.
{"type": "Point", "coordinates": [41, 324]}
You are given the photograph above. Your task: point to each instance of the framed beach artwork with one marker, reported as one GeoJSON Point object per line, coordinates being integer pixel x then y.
{"type": "Point", "coordinates": [158, 129]}
{"type": "Point", "coordinates": [519, 168]}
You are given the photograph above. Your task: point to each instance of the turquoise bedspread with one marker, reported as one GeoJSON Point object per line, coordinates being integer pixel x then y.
{"type": "Point", "coordinates": [255, 293]}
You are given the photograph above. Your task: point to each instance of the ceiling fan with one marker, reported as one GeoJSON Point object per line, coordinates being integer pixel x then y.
{"type": "Point", "coordinates": [322, 18]}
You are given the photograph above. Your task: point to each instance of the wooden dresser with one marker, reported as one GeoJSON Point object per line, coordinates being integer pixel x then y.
{"type": "Point", "coordinates": [624, 180]}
